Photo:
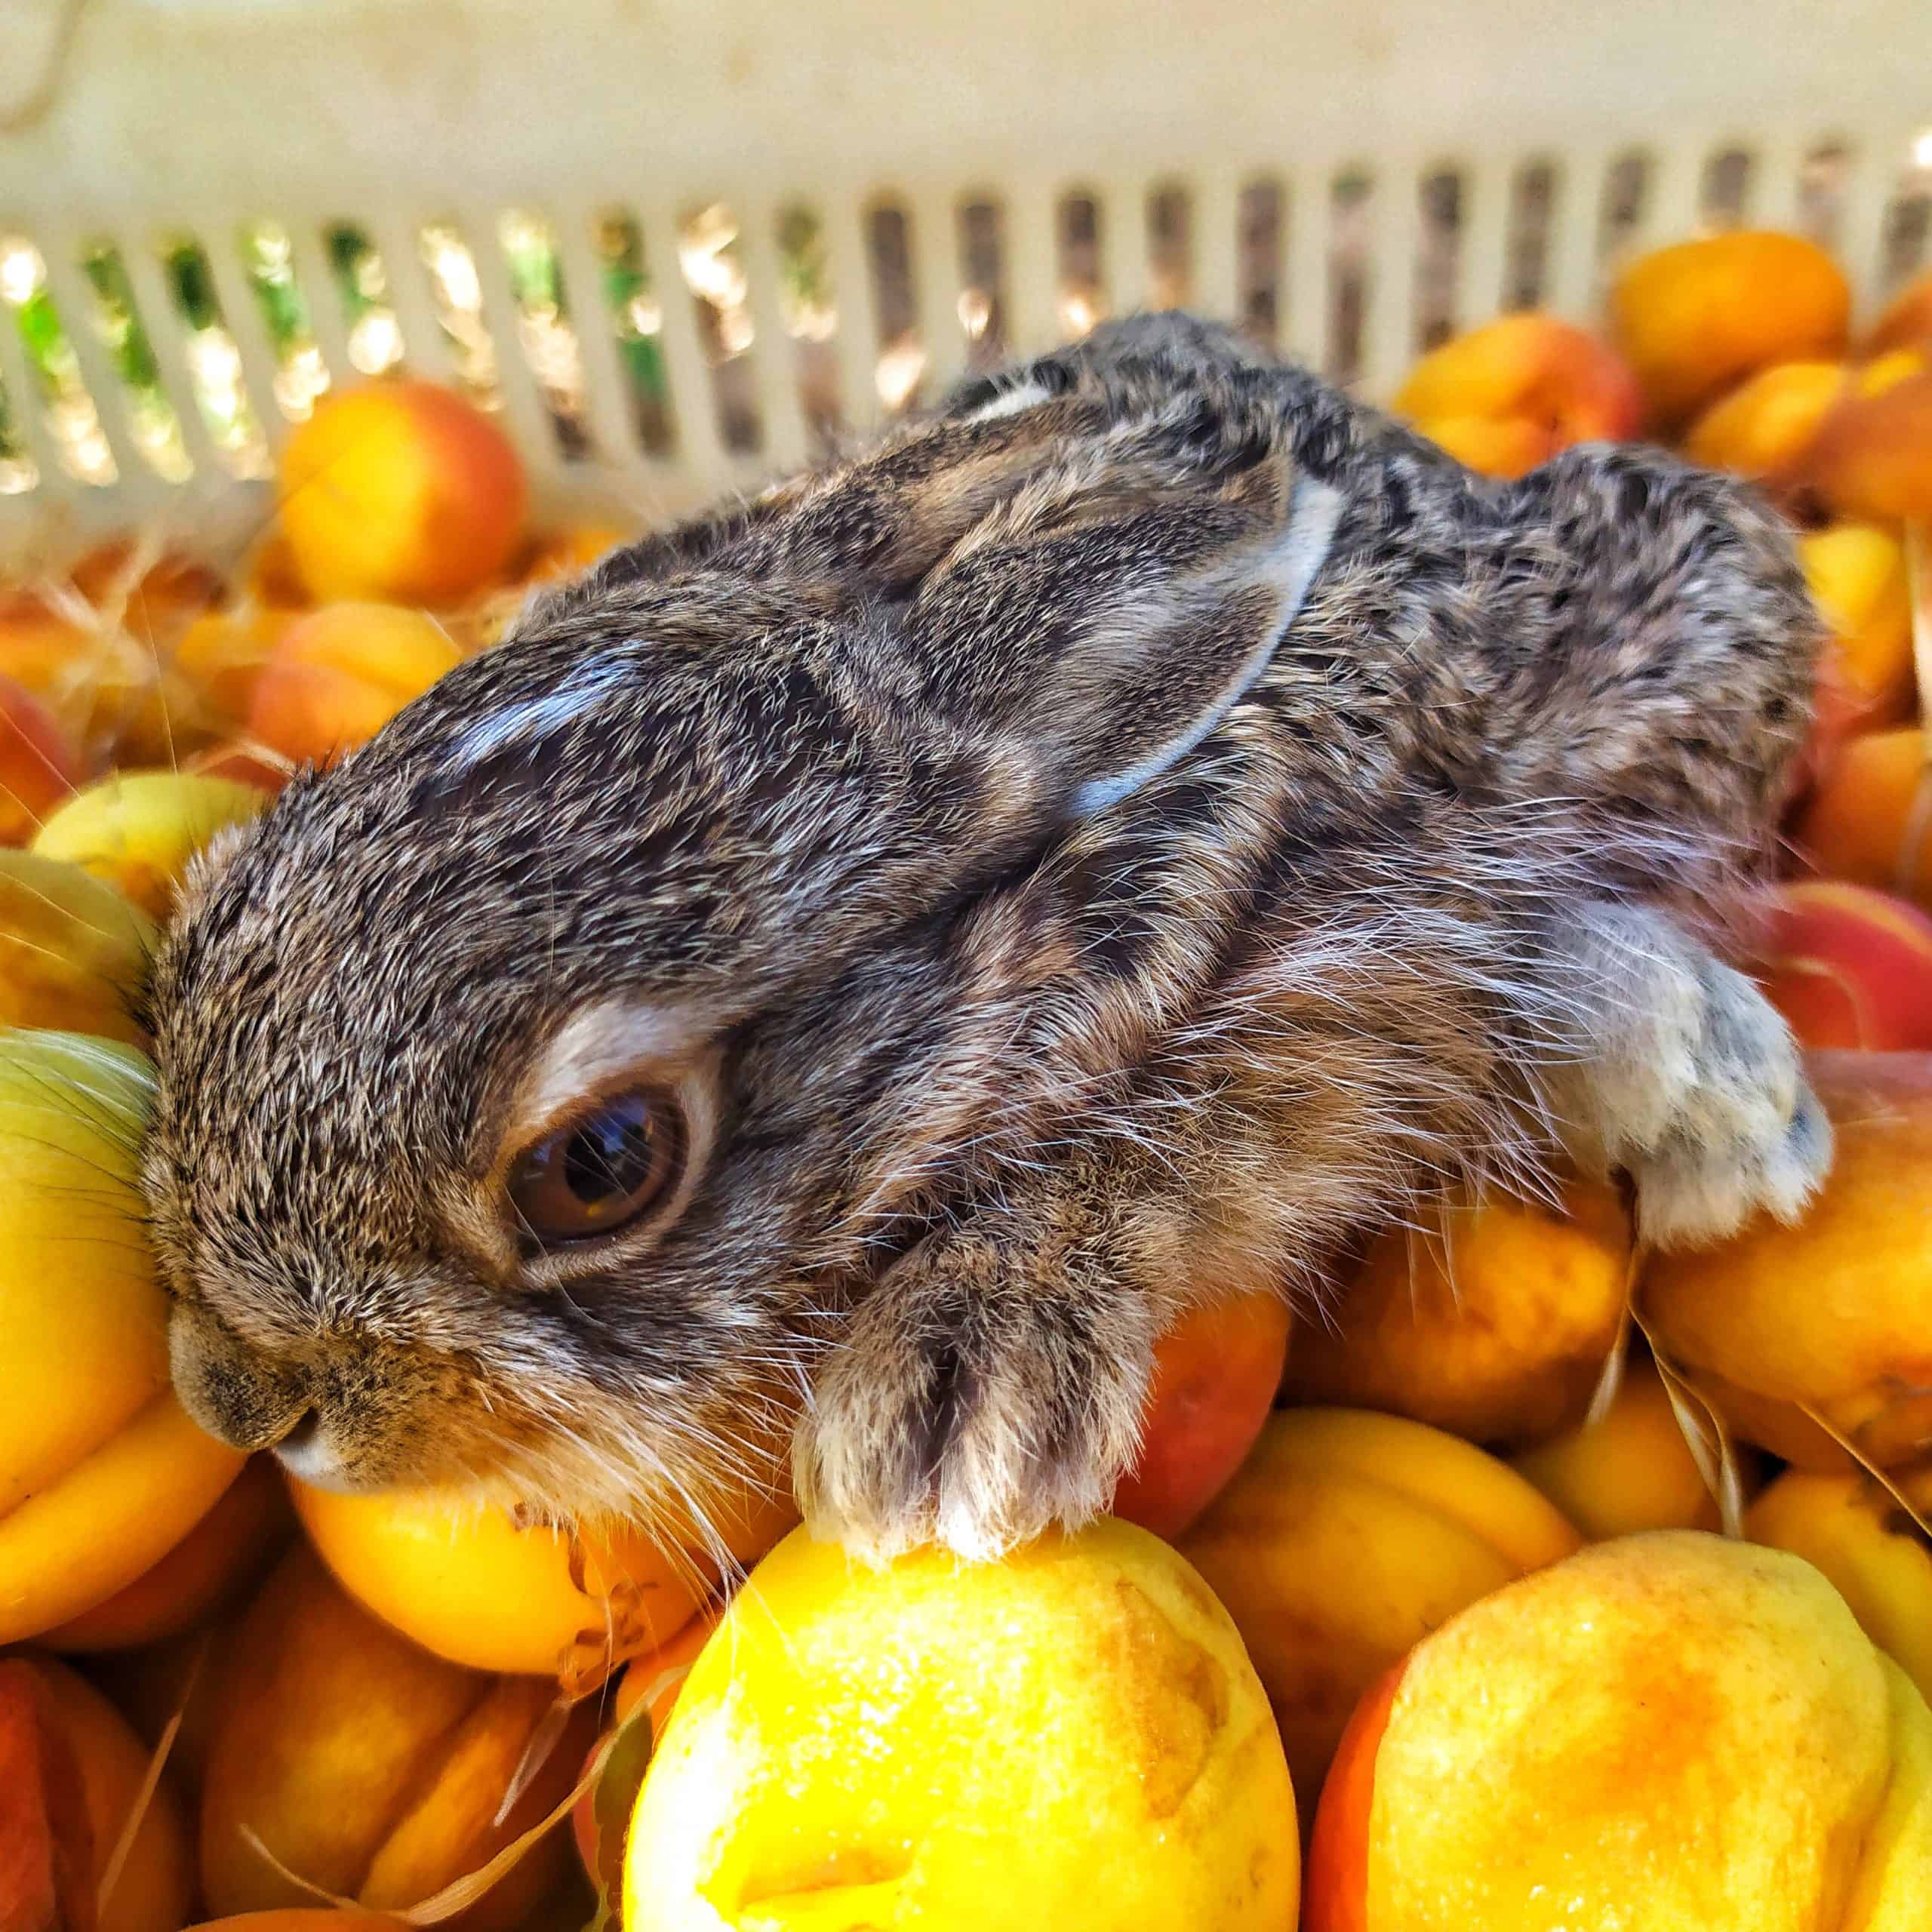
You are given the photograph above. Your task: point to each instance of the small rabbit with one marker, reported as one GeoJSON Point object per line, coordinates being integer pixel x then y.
{"type": "Point", "coordinates": [864, 960]}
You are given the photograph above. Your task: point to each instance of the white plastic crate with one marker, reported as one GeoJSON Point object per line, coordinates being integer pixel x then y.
{"type": "Point", "coordinates": [1349, 181]}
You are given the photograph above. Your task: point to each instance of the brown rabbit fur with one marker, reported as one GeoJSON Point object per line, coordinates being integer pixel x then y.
{"type": "Point", "coordinates": [1114, 839]}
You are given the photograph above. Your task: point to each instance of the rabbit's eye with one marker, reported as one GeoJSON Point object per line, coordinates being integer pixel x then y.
{"type": "Point", "coordinates": [600, 1170]}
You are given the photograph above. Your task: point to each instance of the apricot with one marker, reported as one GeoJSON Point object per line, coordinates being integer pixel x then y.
{"type": "Point", "coordinates": [1630, 1470]}
{"type": "Point", "coordinates": [1872, 456]}
{"type": "Point", "coordinates": [368, 1766]}
{"type": "Point", "coordinates": [1803, 1336]}
{"type": "Point", "coordinates": [1865, 1542]}
{"type": "Point", "coordinates": [71, 1774]}
{"type": "Point", "coordinates": [1849, 967]}
{"type": "Point", "coordinates": [1694, 319]}
{"type": "Point", "coordinates": [38, 766]}
{"type": "Point", "coordinates": [1674, 1725]}
{"type": "Point", "coordinates": [1071, 1737]}
{"type": "Point", "coordinates": [1348, 1535]}
{"type": "Point", "coordinates": [570, 552]}
{"type": "Point", "coordinates": [470, 1585]}
{"type": "Point", "coordinates": [1907, 322]}
{"type": "Point", "coordinates": [223, 652]}
{"type": "Point", "coordinates": [73, 951]}
{"type": "Point", "coordinates": [138, 829]}
{"type": "Point", "coordinates": [652, 1682]}
{"type": "Point", "coordinates": [1869, 816]}
{"type": "Point", "coordinates": [101, 1473]}
{"type": "Point", "coordinates": [1507, 396]}
{"type": "Point", "coordinates": [1765, 425]}
{"type": "Point", "coordinates": [217, 1560]}
{"type": "Point", "coordinates": [296, 1918]}
{"type": "Point", "coordinates": [402, 492]}
{"type": "Point", "coordinates": [1216, 1374]}
{"type": "Point", "coordinates": [1856, 575]}
{"type": "Point", "coordinates": [1495, 1322]}
{"type": "Point", "coordinates": [341, 674]}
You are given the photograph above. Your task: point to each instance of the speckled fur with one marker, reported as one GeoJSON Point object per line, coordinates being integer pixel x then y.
{"type": "Point", "coordinates": [999, 1087]}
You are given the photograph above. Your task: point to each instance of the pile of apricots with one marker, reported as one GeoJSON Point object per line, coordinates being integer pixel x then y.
{"type": "Point", "coordinates": [1539, 1580]}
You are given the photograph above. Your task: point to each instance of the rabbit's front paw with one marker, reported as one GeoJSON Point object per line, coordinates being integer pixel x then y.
{"type": "Point", "coordinates": [965, 1410]}
{"type": "Point", "coordinates": [1697, 1091]}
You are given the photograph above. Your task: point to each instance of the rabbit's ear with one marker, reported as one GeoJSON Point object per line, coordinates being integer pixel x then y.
{"type": "Point", "coordinates": [1104, 648]}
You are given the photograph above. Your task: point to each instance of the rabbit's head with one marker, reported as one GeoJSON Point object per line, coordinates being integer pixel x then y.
{"type": "Point", "coordinates": [539, 1084]}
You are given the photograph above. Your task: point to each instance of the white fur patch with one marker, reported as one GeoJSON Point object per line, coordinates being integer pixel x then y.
{"type": "Point", "coordinates": [1009, 402]}
{"type": "Point", "coordinates": [583, 691]}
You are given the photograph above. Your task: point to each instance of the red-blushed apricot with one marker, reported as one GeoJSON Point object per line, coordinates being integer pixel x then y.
{"type": "Point", "coordinates": [1507, 396]}
{"type": "Point", "coordinates": [1872, 456]}
{"type": "Point", "coordinates": [336, 676]}
{"type": "Point", "coordinates": [1335, 1893]}
{"type": "Point", "coordinates": [402, 492]}
{"type": "Point", "coordinates": [1906, 321]}
{"type": "Point", "coordinates": [38, 766]}
{"type": "Point", "coordinates": [71, 1775]}
{"type": "Point", "coordinates": [1675, 1719]}
{"type": "Point", "coordinates": [231, 1546]}
{"type": "Point", "coordinates": [1695, 319]}
{"type": "Point", "coordinates": [1869, 818]}
{"type": "Point", "coordinates": [1215, 1375]}
{"type": "Point", "coordinates": [1850, 967]}
{"type": "Point", "coordinates": [1767, 423]}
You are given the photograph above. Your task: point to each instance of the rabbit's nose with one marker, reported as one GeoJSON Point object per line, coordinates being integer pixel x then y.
{"type": "Point", "coordinates": [247, 1401]}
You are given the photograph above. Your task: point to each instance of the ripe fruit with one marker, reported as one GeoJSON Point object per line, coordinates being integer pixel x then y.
{"type": "Point", "coordinates": [101, 1473]}
{"type": "Point", "coordinates": [401, 491]}
{"type": "Point", "coordinates": [368, 1766]}
{"type": "Point", "coordinates": [1856, 574]}
{"type": "Point", "coordinates": [1346, 1537]}
{"type": "Point", "coordinates": [73, 950]}
{"type": "Point", "coordinates": [337, 676]}
{"type": "Point", "coordinates": [1630, 1471]}
{"type": "Point", "coordinates": [1873, 454]}
{"type": "Point", "coordinates": [1848, 966]}
{"type": "Point", "coordinates": [1799, 1335]}
{"type": "Point", "coordinates": [1695, 319]}
{"type": "Point", "coordinates": [38, 766]}
{"type": "Point", "coordinates": [466, 1583]}
{"type": "Point", "coordinates": [1870, 819]}
{"type": "Point", "coordinates": [1507, 396]}
{"type": "Point", "coordinates": [1765, 425]}
{"type": "Point", "coordinates": [1071, 1737]}
{"type": "Point", "coordinates": [1866, 1542]}
{"type": "Point", "coordinates": [138, 829]}
{"type": "Point", "coordinates": [218, 1558]}
{"type": "Point", "coordinates": [1495, 1323]}
{"type": "Point", "coordinates": [71, 1773]}
{"type": "Point", "coordinates": [1215, 1378]}
{"type": "Point", "coordinates": [1578, 1746]}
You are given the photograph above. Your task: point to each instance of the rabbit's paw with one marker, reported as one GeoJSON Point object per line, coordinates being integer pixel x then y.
{"type": "Point", "coordinates": [967, 1411]}
{"type": "Point", "coordinates": [1697, 1091]}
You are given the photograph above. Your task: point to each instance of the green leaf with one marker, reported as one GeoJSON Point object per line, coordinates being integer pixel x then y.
{"type": "Point", "coordinates": [626, 1758]}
